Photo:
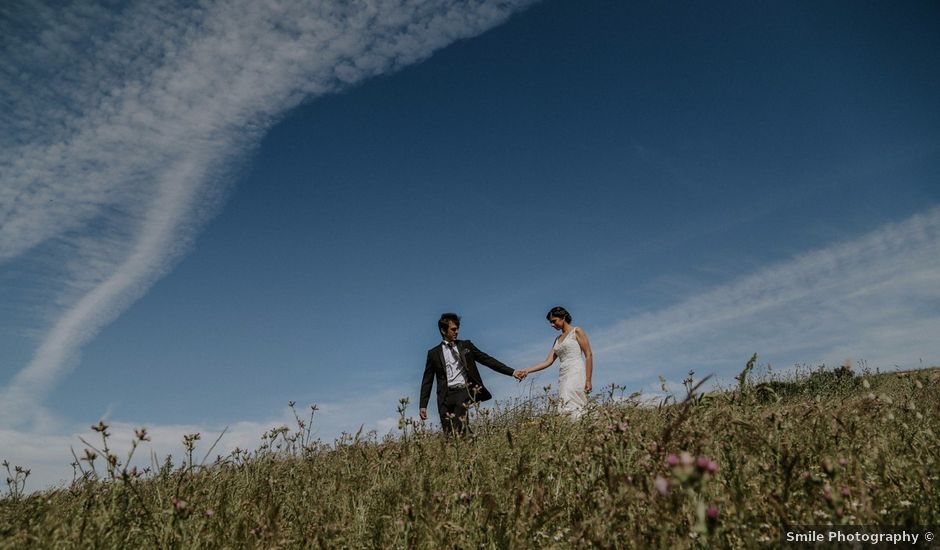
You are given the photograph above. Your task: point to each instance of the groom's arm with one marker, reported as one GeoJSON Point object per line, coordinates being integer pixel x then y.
{"type": "Point", "coordinates": [426, 383]}
{"type": "Point", "coordinates": [489, 361]}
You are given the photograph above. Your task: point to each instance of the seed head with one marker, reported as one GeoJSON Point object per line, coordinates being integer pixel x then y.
{"type": "Point", "coordinates": [661, 485]}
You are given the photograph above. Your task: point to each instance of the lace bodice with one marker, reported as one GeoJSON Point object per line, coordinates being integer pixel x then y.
{"type": "Point", "coordinates": [568, 350]}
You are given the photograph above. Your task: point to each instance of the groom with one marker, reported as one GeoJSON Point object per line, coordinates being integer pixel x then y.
{"type": "Point", "coordinates": [453, 363]}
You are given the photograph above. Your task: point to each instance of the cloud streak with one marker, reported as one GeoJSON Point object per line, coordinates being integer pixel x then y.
{"type": "Point", "coordinates": [126, 122]}
{"type": "Point", "coordinates": [875, 298]}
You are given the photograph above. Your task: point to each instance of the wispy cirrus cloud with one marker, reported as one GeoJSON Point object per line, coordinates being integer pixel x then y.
{"type": "Point", "coordinates": [875, 298]}
{"type": "Point", "coordinates": [123, 122]}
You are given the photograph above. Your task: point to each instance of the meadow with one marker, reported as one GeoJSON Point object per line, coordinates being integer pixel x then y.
{"type": "Point", "coordinates": [726, 469]}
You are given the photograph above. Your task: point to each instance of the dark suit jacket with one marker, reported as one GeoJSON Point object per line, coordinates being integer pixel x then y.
{"type": "Point", "coordinates": [436, 368]}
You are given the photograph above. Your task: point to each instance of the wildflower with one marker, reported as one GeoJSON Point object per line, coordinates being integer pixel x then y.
{"type": "Point", "coordinates": [686, 459]}
{"type": "Point", "coordinates": [712, 513]}
{"type": "Point", "coordinates": [100, 427]}
{"type": "Point", "coordinates": [210, 512]}
{"type": "Point", "coordinates": [142, 434]}
{"type": "Point", "coordinates": [843, 462]}
{"type": "Point", "coordinates": [846, 492]}
{"type": "Point", "coordinates": [178, 503]}
{"type": "Point", "coordinates": [661, 485]}
{"type": "Point", "coordinates": [672, 461]}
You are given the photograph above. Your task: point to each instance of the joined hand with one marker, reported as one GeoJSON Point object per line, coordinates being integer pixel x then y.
{"type": "Point", "coordinates": [519, 374]}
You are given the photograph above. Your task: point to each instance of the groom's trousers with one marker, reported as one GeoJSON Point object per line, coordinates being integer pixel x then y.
{"type": "Point", "coordinates": [454, 411]}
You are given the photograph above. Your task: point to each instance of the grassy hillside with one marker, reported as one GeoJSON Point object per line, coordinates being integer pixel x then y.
{"type": "Point", "coordinates": [727, 469]}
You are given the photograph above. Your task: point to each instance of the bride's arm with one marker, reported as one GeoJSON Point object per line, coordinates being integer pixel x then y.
{"type": "Point", "coordinates": [588, 357]}
{"type": "Point", "coordinates": [544, 364]}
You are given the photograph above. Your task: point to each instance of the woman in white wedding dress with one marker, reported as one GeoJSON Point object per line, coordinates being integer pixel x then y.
{"type": "Point", "coordinates": [573, 351]}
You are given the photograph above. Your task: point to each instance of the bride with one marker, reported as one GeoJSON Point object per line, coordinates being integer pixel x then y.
{"type": "Point", "coordinates": [576, 362]}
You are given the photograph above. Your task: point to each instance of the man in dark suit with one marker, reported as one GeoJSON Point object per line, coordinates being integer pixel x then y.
{"type": "Point", "coordinates": [453, 363]}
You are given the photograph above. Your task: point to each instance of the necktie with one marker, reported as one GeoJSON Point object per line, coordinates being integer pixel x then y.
{"type": "Point", "coordinates": [456, 354]}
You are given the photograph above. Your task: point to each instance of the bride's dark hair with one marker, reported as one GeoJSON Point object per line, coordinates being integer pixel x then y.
{"type": "Point", "coordinates": [560, 313]}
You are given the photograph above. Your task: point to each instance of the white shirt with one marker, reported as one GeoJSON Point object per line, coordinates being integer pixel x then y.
{"type": "Point", "coordinates": [455, 374]}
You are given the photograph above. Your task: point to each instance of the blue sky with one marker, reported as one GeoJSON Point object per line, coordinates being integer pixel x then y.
{"type": "Point", "coordinates": [206, 213]}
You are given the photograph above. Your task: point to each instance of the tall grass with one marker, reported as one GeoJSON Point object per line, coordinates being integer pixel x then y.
{"type": "Point", "coordinates": [725, 469]}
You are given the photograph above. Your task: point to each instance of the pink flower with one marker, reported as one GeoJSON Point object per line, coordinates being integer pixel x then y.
{"type": "Point", "coordinates": [672, 461]}
{"type": "Point", "coordinates": [712, 513]}
{"type": "Point", "coordinates": [661, 485]}
{"type": "Point", "coordinates": [178, 503]}
{"type": "Point", "coordinates": [843, 462]}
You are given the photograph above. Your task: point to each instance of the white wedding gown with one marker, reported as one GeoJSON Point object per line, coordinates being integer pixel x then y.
{"type": "Point", "coordinates": [571, 375]}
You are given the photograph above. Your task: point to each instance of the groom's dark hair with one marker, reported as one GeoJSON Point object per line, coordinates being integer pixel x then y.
{"type": "Point", "coordinates": [445, 318]}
